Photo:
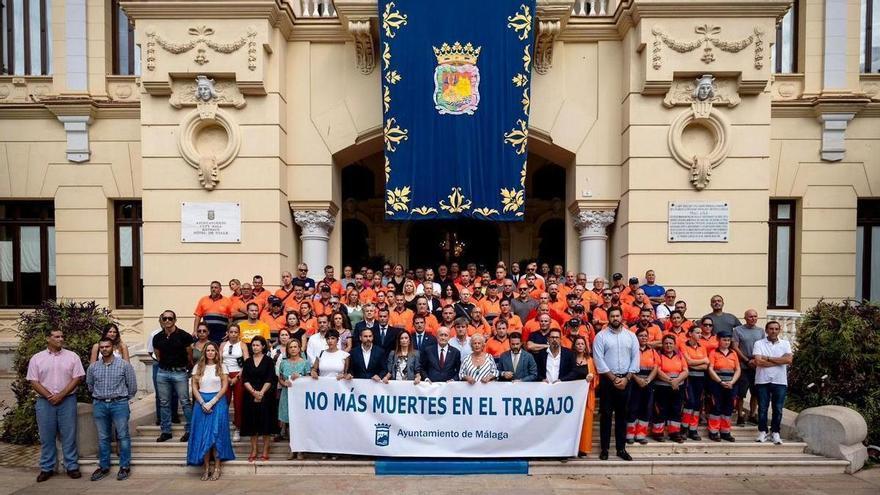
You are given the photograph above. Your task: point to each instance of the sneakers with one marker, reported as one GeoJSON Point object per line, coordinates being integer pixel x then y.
{"type": "Point", "coordinates": [777, 440]}
{"type": "Point", "coordinates": [44, 475]}
{"type": "Point", "coordinates": [99, 474]}
{"type": "Point", "coordinates": [236, 436]}
{"type": "Point", "coordinates": [762, 437]}
{"type": "Point", "coordinates": [123, 474]}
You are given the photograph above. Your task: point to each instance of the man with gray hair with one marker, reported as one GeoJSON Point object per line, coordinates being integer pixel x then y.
{"type": "Point", "coordinates": [744, 338]}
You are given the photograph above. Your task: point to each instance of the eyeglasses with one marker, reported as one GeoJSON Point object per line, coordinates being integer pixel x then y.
{"type": "Point", "coordinates": [708, 325]}
{"type": "Point", "coordinates": [167, 318]}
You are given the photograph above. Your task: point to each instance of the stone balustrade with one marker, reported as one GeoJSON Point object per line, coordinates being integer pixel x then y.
{"type": "Point", "coordinates": [789, 320]}
{"type": "Point", "coordinates": [313, 8]}
{"type": "Point", "coordinates": [594, 8]}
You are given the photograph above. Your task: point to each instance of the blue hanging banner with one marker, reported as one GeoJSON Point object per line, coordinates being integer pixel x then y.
{"type": "Point", "coordinates": [455, 85]}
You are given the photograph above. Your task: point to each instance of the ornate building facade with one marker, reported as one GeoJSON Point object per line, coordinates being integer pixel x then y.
{"type": "Point", "coordinates": [114, 114]}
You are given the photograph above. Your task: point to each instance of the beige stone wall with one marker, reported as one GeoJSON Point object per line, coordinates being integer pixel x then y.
{"type": "Point", "coordinates": [310, 111]}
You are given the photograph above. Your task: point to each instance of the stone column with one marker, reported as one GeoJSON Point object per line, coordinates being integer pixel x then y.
{"type": "Point", "coordinates": [591, 225]}
{"type": "Point", "coordinates": [316, 226]}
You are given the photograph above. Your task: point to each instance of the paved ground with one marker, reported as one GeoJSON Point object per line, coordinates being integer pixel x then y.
{"type": "Point", "coordinates": [22, 480]}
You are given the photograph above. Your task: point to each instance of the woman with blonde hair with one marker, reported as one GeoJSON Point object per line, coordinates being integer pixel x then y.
{"type": "Point", "coordinates": [289, 369]}
{"type": "Point", "coordinates": [209, 431]}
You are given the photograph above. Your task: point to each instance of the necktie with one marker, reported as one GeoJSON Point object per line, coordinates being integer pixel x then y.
{"type": "Point", "coordinates": [515, 361]}
{"type": "Point", "coordinates": [419, 343]}
{"type": "Point", "coordinates": [382, 334]}
{"type": "Point", "coordinates": [442, 356]}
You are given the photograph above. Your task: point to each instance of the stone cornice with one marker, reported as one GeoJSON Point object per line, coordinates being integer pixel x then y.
{"type": "Point", "coordinates": [278, 12]}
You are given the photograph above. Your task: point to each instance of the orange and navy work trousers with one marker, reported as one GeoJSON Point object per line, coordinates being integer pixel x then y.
{"type": "Point", "coordinates": [641, 403]}
{"type": "Point", "coordinates": [668, 410]}
{"type": "Point", "coordinates": [690, 415]}
{"type": "Point", "coordinates": [722, 408]}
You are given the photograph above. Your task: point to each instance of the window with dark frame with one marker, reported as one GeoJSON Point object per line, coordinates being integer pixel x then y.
{"type": "Point", "coordinates": [868, 249]}
{"type": "Point", "coordinates": [785, 51]}
{"type": "Point", "coordinates": [129, 254]}
{"type": "Point", "coordinates": [869, 54]}
{"type": "Point", "coordinates": [27, 253]}
{"type": "Point", "coordinates": [780, 280]}
{"type": "Point", "coordinates": [126, 54]}
{"type": "Point", "coordinates": [25, 43]}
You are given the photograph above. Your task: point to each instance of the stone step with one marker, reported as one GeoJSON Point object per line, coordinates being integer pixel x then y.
{"type": "Point", "coordinates": [173, 448]}
{"type": "Point", "coordinates": [716, 465]}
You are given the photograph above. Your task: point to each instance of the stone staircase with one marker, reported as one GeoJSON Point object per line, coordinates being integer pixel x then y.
{"type": "Point", "coordinates": [744, 457]}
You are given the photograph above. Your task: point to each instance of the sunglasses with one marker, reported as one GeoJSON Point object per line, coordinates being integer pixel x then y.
{"type": "Point", "coordinates": [167, 318]}
{"type": "Point", "coordinates": [708, 325]}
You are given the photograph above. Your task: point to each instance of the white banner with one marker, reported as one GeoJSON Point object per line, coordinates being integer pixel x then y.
{"type": "Point", "coordinates": [436, 420]}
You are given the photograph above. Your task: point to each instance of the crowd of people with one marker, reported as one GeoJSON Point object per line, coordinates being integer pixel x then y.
{"type": "Point", "coordinates": [656, 373]}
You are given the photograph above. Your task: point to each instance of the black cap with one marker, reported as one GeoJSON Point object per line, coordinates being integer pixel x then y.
{"type": "Point", "coordinates": [634, 280]}
{"type": "Point", "coordinates": [722, 334]}
{"type": "Point", "coordinates": [273, 300]}
{"type": "Point", "coordinates": [617, 276]}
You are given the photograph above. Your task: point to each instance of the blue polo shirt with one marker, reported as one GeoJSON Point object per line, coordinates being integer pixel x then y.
{"type": "Point", "coordinates": [654, 290]}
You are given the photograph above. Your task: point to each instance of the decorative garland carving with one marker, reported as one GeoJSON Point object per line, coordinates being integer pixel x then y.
{"type": "Point", "coordinates": [365, 51]}
{"type": "Point", "coordinates": [709, 39]}
{"type": "Point", "coordinates": [201, 40]}
{"type": "Point", "coordinates": [546, 34]}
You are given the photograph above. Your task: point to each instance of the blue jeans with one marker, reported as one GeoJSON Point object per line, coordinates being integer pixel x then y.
{"type": "Point", "coordinates": [53, 421]}
{"type": "Point", "coordinates": [770, 394]}
{"type": "Point", "coordinates": [174, 399]}
{"type": "Point", "coordinates": [111, 416]}
{"type": "Point", "coordinates": [168, 382]}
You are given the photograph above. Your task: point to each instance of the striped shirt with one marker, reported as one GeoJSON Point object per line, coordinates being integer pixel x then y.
{"type": "Point", "coordinates": [469, 368]}
{"type": "Point", "coordinates": [111, 381]}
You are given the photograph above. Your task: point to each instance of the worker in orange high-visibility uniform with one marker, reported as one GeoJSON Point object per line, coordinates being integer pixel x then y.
{"type": "Point", "coordinates": [698, 363]}
{"type": "Point", "coordinates": [724, 372]}
{"type": "Point", "coordinates": [641, 398]}
{"type": "Point", "coordinates": [668, 391]}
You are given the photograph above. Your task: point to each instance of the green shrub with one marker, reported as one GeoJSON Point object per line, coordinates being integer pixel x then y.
{"type": "Point", "coordinates": [842, 341]}
{"type": "Point", "coordinates": [82, 323]}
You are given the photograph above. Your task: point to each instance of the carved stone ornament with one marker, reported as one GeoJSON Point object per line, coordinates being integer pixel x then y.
{"type": "Point", "coordinates": [702, 94]}
{"type": "Point", "coordinates": [544, 37]}
{"type": "Point", "coordinates": [683, 92]}
{"type": "Point", "coordinates": [219, 93]}
{"type": "Point", "coordinates": [364, 47]}
{"type": "Point", "coordinates": [708, 40]}
{"type": "Point", "coordinates": [593, 223]}
{"type": "Point", "coordinates": [315, 224]}
{"type": "Point", "coordinates": [201, 39]}
{"type": "Point", "coordinates": [208, 140]}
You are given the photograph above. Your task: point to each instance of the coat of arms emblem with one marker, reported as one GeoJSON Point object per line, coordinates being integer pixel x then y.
{"type": "Point", "coordinates": [210, 214]}
{"type": "Point", "coordinates": [383, 434]}
{"type": "Point", "coordinates": [456, 79]}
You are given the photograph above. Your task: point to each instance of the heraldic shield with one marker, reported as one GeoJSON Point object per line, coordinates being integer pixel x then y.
{"type": "Point", "coordinates": [456, 79]}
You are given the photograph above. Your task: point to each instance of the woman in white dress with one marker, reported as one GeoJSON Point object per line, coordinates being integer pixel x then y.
{"type": "Point", "coordinates": [479, 365]}
{"type": "Point", "coordinates": [331, 361]}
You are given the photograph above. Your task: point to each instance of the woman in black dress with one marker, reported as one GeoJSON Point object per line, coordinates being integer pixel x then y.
{"type": "Point", "coordinates": [259, 418]}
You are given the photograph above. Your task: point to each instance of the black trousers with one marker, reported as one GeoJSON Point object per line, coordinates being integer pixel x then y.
{"type": "Point", "coordinates": [613, 401]}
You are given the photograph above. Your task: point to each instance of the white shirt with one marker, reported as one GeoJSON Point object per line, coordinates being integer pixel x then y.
{"type": "Point", "coordinates": [317, 343]}
{"type": "Point", "coordinates": [210, 381]}
{"type": "Point", "coordinates": [663, 311]}
{"type": "Point", "coordinates": [150, 340]}
{"type": "Point", "coordinates": [463, 347]}
{"type": "Point", "coordinates": [553, 365]}
{"type": "Point", "coordinates": [773, 374]}
{"type": "Point", "coordinates": [444, 351]}
{"type": "Point", "coordinates": [367, 353]}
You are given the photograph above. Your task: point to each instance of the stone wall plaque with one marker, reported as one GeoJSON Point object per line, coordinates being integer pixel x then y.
{"type": "Point", "coordinates": [698, 221]}
{"type": "Point", "coordinates": [210, 222]}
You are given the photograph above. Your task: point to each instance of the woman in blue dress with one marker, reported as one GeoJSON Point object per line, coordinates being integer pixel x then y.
{"type": "Point", "coordinates": [289, 369]}
{"type": "Point", "coordinates": [209, 431]}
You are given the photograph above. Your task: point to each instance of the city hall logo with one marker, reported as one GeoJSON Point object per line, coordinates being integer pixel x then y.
{"type": "Point", "coordinates": [383, 434]}
{"type": "Point", "coordinates": [456, 79]}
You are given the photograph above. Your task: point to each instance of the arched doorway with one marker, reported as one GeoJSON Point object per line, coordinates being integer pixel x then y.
{"type": "Point", "coordinates": [355, 250]}
{"type": "Point", "coordinates": [443, 241]}
{"type": "Point", "coordinates": [551, 247]}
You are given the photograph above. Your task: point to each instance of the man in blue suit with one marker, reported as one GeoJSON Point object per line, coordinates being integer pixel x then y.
{"type": "Point", "coordinates": [555, 364]}
{"type": "Point", "coordinates": [367, 361]}
{"type": "Point", "coordinates": [421, 340]}
{"type": "Point", "coordinates": [384, 335]}
{"type": "Point", "coordinates": [517, 365]}
{"type": "Point", "coordinates": [441, 362]}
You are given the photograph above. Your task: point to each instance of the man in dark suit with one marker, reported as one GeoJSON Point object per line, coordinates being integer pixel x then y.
{"type": "Point", "coordinates": [434, 304]}
{"type": "Point", "coordinates": [555, 364]}
{"type": "Point", "coordinates": [441, 362]}
{"type": "Point", "coordinates": [421, 340]}
{"type": "Point", "coordinates": [384, 335]}
{"type": "Point", "coordinates": [367, 361]}
{"type": "Point", "coordinates": [517, 365]}
{"type": "Point", "coordinates": [369, 321]}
